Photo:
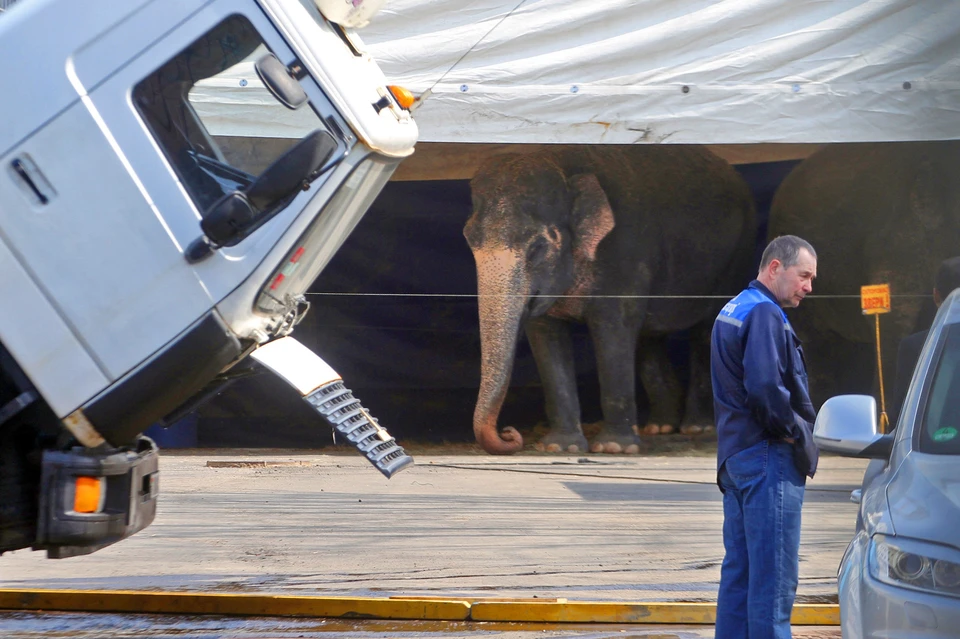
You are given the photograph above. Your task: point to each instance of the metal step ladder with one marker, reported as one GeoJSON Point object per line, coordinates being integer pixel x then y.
{"type": "Point", "coordinates": [322, 388]}
{"type": "Point", "coordinates": [336, 403]}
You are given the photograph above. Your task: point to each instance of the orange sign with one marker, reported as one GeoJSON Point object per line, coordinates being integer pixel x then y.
{"type": "Point", "coordinates": [875, 299]}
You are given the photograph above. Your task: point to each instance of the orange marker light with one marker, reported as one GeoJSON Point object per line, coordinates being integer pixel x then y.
{"type": "Point", "coordinates": [403, 97]}
{"type": "Point", "coordinates": [87, 494]}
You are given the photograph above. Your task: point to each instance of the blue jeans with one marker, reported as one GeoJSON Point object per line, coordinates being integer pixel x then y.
{"type": "Point", "coordinates": [762, 499]}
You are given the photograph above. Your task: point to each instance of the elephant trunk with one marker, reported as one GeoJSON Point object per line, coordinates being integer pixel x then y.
{"type": "Point", "coordinates": [503, 286]}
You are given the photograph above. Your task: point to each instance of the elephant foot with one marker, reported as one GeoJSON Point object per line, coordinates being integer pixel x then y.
{"type": "Point", "coordinates": [615, 443]}
{"type": "Point", "coordinates": [562, 443]}
{"type": "Point", "coordinates": [615, 448]}
{"type": "Point", "coordinates": [697, 429]}
{"type": "Point", "coordinates": [657, 429]}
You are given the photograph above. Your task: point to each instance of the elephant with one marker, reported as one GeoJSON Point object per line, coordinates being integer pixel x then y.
{"type": "Point", "coordinates": [875, 213]}
{"type": "Point", "coordinates": [634, 242]}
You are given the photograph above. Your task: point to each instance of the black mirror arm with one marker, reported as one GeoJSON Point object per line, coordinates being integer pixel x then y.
{"type": "Point", "coordinates": [199, 250]}
{"type": "Point", "coordinates": [879, 449]}
{"type": "Point", "coordinates": [332, 162]}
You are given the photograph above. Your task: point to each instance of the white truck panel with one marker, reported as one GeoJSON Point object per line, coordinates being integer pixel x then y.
{"type": "Point", "coordinates": [41, 69]}
{"type": "Point", "coordinates": [98, 248]}
{"type": "Point", "coordinates": [97, 59]}
{"type": "Point", "coordinates": [32, 330]}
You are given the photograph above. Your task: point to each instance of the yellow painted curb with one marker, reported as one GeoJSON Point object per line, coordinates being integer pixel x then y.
{"type": "Point", "coordinates": [414, 607]}
{"type": "Point", "coordinates": [615, 612]}
{"type": "Point", "coordinates": [593, 612]}
{"type": "Point", "coordinates": [233, 604]}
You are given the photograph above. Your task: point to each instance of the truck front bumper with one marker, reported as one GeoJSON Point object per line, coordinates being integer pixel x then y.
{"type": "Point", "coordinates": [129, 482]}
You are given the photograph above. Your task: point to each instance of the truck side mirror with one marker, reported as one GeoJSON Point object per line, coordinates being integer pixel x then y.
{"type": "Point", "coordinates": [226, 222]}
{"type": "Point", "coordinates": [279, 82]}
{"type": "Point", "coordinates": [237, 214]}
{"type": "Point", "coordinates": [292, 171]}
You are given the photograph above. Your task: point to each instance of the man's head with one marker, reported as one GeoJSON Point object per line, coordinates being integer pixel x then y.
{"type": "Point", "coordinates": [948, 278]}
{"type": "Point", "coordinates": [788, 268]}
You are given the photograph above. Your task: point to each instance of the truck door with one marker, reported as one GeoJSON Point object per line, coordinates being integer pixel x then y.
{"type": "Point", "coordinates": [167, 106]}
{"type": "Point", "coordinates": [116, 185]}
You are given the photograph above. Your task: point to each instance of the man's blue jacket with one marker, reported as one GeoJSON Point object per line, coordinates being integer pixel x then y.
{"type": "Point", "coordinates": [760, 379]}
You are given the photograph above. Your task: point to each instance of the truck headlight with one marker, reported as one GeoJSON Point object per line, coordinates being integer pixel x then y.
{"type": "Point", "coordinates": [915, 564]}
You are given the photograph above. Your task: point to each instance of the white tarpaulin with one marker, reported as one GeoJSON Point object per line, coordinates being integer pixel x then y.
{"type": "Point", "coordinates": [675, 71]}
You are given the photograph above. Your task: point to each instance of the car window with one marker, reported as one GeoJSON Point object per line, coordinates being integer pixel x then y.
{"type": "Point", "coordinates": [941, 420]}
{"type": "Point", "coordinates": [173, 102]}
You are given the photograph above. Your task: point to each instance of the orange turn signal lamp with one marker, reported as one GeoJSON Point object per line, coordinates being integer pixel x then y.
{"type": "Point", "coordinates": [88, 495]}
{"type": "Point", "coordinates": [403, 96]}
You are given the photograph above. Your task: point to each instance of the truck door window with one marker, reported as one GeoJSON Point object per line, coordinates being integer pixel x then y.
{"type": "Point", "coordinates": [174, 101]}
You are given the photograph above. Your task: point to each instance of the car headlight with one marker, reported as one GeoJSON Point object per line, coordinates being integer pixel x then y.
{"type": "Point", "coordinates": [915, 564]}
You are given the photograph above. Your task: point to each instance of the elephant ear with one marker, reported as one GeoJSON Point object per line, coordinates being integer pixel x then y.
{"type": "Point", "coordinates": [592, 216]}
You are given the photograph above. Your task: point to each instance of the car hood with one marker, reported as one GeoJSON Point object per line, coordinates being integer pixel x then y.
{"type": "Point", "coordinates": [924, 498]}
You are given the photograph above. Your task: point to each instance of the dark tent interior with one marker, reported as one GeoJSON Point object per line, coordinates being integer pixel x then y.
{"type": "Point", "coordinates": [394, 313]}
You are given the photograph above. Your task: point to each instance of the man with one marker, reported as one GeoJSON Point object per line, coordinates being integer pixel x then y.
{"type": "Point", "coordinates": [765, 447]}
{"type": "Point", "coordinates": [947, 279]}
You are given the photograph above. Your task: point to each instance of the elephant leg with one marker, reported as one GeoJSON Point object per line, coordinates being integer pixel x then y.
{"type": "Point", "coordinates": [615, 342]}
{"type": "Point", "coordinates": [698, 414]}
{"type": "Point", "coordinates": [662, 385]}
{"type": "Point", "coordinates": [553, 351]}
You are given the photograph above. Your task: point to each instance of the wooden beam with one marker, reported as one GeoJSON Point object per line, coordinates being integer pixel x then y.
{"type": "Point", "coordinates": [452, 161]}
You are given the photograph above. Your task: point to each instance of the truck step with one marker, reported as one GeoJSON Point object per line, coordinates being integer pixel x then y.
{"type": "Point", "coordinates": [350, 419]}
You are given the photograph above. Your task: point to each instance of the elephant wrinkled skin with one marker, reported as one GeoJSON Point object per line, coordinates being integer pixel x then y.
{"type": "Point", "coordinates": [875, 213]}
{"type": "Point", "coordinates": [630, 241]}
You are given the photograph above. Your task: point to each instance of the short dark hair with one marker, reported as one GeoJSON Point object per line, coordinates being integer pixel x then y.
{"type": "Point", "coordinates": [948, 276]}
{"type": "Point", "coordinates": [786, 249]}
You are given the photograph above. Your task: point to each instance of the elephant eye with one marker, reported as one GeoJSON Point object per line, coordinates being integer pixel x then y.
{"type": "Point", "coordinates": [537, 250]}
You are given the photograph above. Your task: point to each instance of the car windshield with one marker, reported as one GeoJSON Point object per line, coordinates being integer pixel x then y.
{"type": "Point", "coordinates": [941, 420]}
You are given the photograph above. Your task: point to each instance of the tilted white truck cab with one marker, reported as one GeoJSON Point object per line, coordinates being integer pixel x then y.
{"type": "Point", "coordinates": [144, 251]}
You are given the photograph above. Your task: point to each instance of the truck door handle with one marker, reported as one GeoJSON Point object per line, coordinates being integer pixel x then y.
{"type": "Point", "coordinates": [23, 171]}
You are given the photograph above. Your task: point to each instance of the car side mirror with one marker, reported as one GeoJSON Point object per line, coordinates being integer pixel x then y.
{"type": "Point", "coordinates": [279, 82]}
{"type": "Point", "coordinates": [847, 425]}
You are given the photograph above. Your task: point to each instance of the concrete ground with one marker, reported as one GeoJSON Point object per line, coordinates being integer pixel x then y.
{"type": "Point", "coordinates": [85, 626]}
{"type": "Point", "coordinates": [597, 528]}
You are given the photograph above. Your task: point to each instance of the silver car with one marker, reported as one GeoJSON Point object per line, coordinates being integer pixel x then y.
{"type": "Point", "coordinates": [900, 575]}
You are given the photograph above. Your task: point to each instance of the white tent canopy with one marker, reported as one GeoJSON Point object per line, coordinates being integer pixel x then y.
{"type": "Point", "coordinates": [652, 71]}
{"type": "Point", "coordinates": [676, 71]}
